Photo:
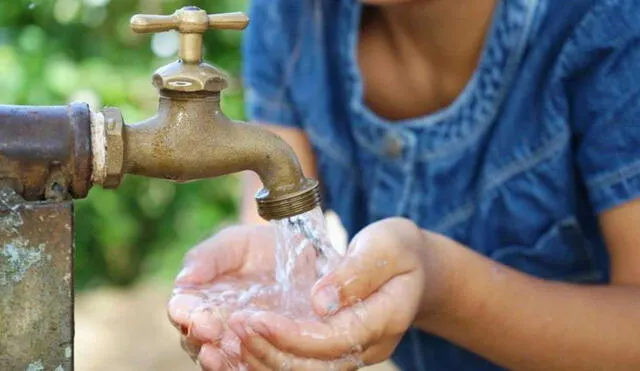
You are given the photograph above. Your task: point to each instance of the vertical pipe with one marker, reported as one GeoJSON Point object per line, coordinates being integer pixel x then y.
{"type": "Point", "coordinates": [36, 284]}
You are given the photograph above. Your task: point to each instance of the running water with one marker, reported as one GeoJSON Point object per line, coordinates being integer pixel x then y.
{"type": "Point", "coordinates": [302, 255]}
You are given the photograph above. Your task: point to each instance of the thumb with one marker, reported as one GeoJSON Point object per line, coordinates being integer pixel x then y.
{"type": "Point", "coordinates": [375, 256]}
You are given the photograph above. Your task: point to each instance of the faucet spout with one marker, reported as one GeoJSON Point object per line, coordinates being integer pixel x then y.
{"type": "Point", "coordinates": [190, 138]}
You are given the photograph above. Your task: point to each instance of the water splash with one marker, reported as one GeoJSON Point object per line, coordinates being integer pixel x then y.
{"type": "Point", "coordinates": [302, 255]}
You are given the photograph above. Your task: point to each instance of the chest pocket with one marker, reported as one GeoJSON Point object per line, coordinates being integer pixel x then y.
{"type": "Point", "coordinates": [562, 253]}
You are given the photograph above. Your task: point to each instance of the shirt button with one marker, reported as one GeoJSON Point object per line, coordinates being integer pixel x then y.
{"type": "Point", "coordinates": [393, 146]}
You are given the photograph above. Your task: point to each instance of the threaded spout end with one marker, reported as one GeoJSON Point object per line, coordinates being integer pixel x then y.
{"type": "Point", "coordinates": [284, 206]}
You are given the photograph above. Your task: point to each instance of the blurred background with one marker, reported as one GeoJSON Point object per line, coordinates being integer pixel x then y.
{"type": "Point", "coordinates": [129, 243]}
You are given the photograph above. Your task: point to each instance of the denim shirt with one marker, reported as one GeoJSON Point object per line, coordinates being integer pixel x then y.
{"type": "Point", "coordinates": [545, 136]}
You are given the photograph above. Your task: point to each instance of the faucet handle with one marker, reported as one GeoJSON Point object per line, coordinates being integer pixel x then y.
{"type": "Point", "coordinates": [191, 22]}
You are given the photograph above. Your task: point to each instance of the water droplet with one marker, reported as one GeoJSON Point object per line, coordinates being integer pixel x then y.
{"type": "Point", "coordinates": [285, 365]}
{"type": "Point", "coordinates": [359, 311]}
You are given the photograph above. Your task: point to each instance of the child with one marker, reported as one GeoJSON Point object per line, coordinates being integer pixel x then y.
{"type": "Point", "coordinates": [506, 134]}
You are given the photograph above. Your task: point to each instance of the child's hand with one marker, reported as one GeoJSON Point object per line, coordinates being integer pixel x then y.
{"type": "Point", "coordinates": [246, 253]}
{"type": "Point", "coordinates": [369, 302]}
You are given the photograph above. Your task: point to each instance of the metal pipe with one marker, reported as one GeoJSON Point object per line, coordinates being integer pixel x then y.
{"type": "Point", "coordinates": [45, 152]}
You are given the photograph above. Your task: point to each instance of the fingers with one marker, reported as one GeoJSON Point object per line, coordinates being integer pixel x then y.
{"type": "Point", "coordinates": [193, 317]}
{"type": "Point", "coordinates": [207, 325]}
{"type": "Point", "coordinates": [307, 339]}
{"type": "Point", "coordinates": [349, 331]}
{"type": "Point", "coordinates": [260, 355]}
{"type": "Point", "coordinates": [220, 254]}
{"type": "Point", "coordinates": [180, 308]}
{"type": "Point", "coordinates": [212, 358]}
{"type": "Point", "coordinates": [376, 255]}
{"type": "Point", "coordinates": [223, 253]}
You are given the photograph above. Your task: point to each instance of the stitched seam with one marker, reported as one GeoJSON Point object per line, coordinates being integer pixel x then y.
{"type": "Point", "coordinates": [329, 148]}
{"type": "Point", "coordinates": [593, 274]}
{"type": "Point", "coordinates": [613, 115]}
{"type": "Point", "coordinates": [255, 98]}
{"type": "Point", "coordinates": [518, 167]}
{"type": "Point", "coordinates": [365, 143]}
{"type": "Point", "coordinates": [281, 90]}
{"type": "Point", "coordinates": [289, 67]}
{"type": "Point", "coordinates": [464, 212]}
{"type": "Point", "coordinates": [372, 204]}
{"type": "Point", "coordinates": [279, 101]}
{"type": "Point", "coordinates": [549, 233]}
{"type": "Point", "coordinates": [614, 177]}
{"type": "Point", "coordinates": [406, 191]}
{"type": "Point", "coordinates": [417, 351]}
{"type": "Point", "coordinates": [456, 217]}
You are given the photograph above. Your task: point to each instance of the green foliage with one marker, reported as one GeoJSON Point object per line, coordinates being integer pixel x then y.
{"type": "Point", "coordinates": [56, 51]}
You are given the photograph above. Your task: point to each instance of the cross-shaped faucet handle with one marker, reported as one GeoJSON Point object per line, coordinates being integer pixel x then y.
{"type": "Point", "coordinates": [191, 22]}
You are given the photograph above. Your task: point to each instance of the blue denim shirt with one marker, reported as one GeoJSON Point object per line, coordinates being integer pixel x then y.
{"type": "Point", "coordinates": [545, 136]}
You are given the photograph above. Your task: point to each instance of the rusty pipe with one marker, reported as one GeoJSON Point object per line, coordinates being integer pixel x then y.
{"type": "Point", "coordinates": [45, 152]}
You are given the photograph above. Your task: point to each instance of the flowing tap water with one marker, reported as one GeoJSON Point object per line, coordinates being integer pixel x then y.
{"type": "Point", "coordinates": [302, 254]}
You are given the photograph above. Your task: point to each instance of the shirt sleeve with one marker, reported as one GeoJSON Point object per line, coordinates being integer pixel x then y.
{"type": "Point", "coordinates": [267, 61]}
{"type": "Point", "coordinates": [606, 103]}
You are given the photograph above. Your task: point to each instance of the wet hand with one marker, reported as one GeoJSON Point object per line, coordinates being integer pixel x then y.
{"type": "Point", "coordinates": [240, 255]}
{"type": "Point", "coordinates": [368, 302]}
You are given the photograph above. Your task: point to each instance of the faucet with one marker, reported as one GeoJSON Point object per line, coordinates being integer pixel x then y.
{"type": "Point", "coordinates": [190, 138]}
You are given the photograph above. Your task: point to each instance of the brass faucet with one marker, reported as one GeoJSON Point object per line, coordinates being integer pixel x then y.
{"type": "Point", "coordinates": [190, 138]}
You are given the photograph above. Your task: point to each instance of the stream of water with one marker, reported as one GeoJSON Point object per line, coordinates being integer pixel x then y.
{"type": "Point", "coordinates": [302, 254]}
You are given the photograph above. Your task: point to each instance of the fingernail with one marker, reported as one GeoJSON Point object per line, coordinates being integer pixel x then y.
{"type": "Point", "coordinates": [328, 299]}
{"type": "Point", "coordinates": [259, 327]}
{"type": "Point", "coordinates": [239, 329]}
